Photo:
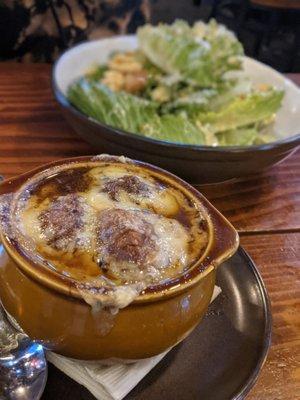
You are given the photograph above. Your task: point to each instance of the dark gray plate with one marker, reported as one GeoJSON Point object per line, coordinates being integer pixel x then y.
{"type": "Point", "coordinates": [220, 360]}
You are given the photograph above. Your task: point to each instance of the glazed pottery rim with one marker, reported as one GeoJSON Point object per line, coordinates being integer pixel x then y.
{"type": "Point", "coordinates": [197, 271]}
{"type": "Point", "coordinates": [63, 100]}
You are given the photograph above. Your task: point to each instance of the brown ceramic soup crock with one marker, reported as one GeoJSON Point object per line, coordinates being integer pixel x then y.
{"type": "Point", "coordinates": [49, 307]}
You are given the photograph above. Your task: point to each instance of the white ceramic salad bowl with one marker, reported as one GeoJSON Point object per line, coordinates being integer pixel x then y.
{"type": "Point", "coordinates": [193, 162]}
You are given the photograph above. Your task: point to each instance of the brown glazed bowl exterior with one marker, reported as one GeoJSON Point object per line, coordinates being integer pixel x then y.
{"type": "Point", "coordinates": [49, 307]}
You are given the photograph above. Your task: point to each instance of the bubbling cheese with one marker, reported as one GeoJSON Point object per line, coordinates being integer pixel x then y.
{"type": "Point", "coordinates": [111, 220]}
{"type": "Point", "coordinates": [135, 245]}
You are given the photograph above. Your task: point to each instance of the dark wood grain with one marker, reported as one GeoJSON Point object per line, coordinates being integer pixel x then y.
{"type": "Point", "coordinates": [261, 203]}
{"type": "Point", "coordinates": [33, 131]}
{"type": "Point", "coordinates": [277, 257]}
{"type": "Point", "coordinates": [264, 208]}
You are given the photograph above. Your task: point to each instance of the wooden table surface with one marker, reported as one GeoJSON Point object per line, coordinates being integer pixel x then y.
{"type": "Point", "coordinates": [264, 208]}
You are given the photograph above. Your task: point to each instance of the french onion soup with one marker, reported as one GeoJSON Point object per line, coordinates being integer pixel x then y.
{"type": "Point", "coordinates": [111, 224]}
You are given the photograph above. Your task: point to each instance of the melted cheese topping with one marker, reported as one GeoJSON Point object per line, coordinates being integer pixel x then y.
{"type": "Point", "coordinates": [155, 232]}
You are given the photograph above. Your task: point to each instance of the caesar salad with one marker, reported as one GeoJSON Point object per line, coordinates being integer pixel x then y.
{"type": "Point", "coordinates": [183, 84]}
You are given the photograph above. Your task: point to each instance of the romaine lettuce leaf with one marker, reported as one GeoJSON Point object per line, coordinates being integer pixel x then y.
{"type": "Point", "coordinates": [228, 91]}
{"type": "Point", "coordinates": [131, 113]}
{"type": "Point", "coordinates": [97, 72]}
{"type": "Point", "coordinates": [263, 138]}
{"type": "Point", "coordinates": [118, 109]}
{"type": "Point", "coordinates": [192, 102]}
{"type": "Point", "coordinates": [198, 55]}
{"type": "Point", "coordinates": [173, 128]}
{"type": "Point", "coordinates": [245, 120]}
{"type": "Point", "coordinates": [242, 111]}
{"type": "Point", "coordinates": [237, 137]}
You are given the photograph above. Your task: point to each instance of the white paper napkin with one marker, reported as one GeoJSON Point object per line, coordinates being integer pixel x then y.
{"type": "Point", "coordinates": [111, 382]}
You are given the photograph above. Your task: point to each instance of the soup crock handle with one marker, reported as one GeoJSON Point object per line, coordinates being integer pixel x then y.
{"type": "Point", "coordinates": [11, 185]}
{"type": "Point", "coordinates": [225, 239]}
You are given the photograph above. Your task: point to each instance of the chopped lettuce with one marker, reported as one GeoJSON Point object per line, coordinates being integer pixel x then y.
{"type": "Point", "coordinates": [173, 128]}
{"type": "Point", "coordinates": [264, 137]}
{"type": "Point", "coordinates": [237, 137]}
{"type": "Point", "coordinates": [118, 109]}
{"type": "Point", "coordinates": [191, 94]}
{"type": "Point", "coordinates": [199, 55]}
{"type": "Point", "coordinates": [97, 73]}
{"type": "Point", "coordinates": [242, 111]}
{"type": "Point", "coordinates": [235, 124]}
{"type": "Point", "coordinates": [228, 91]}
{"type": "Point", "coordinates": [128, 112]}
{"type": "Point", "coordinates": [192, 102]}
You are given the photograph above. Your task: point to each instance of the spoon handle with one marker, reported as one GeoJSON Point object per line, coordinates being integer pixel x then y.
{"type": "Point", "coordinates": [23, 367]}
{"type": "Point", "coordinates": [9, 336]}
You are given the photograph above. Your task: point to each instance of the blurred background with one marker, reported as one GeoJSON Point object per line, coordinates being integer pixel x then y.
{"type": "Point", "coordinates": [39, 30]}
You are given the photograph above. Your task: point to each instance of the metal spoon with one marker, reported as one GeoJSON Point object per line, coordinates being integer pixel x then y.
{"type": "Point", "coordinates": [23, 366]}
